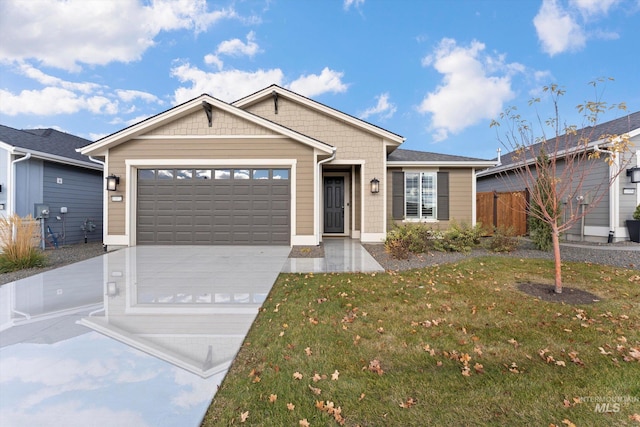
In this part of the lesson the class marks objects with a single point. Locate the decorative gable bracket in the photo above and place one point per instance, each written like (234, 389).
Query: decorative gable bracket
(208, 108)
(275, 101)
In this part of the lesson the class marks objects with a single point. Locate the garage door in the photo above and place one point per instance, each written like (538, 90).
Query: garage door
(222, 206)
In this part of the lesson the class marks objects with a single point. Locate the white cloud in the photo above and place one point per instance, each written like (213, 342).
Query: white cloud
(51, 101)
(64, 34)
(231, 85)
(356, 3)
(214, 60)
(557, 30)
(236, 47)
(313, 84)
(132, 95)
(467, 94)
(383, 108)
(225, 85)
(594, 7)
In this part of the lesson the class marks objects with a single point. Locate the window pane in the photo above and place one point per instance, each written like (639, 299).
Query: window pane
(412, 195)
(165, 173)
(281, 174)
(223, 174)
(184, 174)
(260, 174)
(241, 174)
(146, 173)
(428, 196)
(203, 174)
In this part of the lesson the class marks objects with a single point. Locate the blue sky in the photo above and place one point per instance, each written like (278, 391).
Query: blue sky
(434, 71)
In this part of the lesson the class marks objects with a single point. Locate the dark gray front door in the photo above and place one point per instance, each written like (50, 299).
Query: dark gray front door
(334, 204)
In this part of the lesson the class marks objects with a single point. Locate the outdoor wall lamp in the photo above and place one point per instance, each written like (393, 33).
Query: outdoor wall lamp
(112, 182)
(634, 173)
(375, 185)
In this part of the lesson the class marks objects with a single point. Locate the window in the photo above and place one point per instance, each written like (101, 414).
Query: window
(420, 195)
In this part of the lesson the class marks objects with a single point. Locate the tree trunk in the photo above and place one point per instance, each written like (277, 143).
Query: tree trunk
(555, 237)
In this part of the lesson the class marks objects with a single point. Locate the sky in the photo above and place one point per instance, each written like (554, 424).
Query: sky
(436, 72)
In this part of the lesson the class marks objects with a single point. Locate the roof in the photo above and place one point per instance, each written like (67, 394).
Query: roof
(268, 92)
(99, 147)
(48, 144)
(626, 124)
(401, 157)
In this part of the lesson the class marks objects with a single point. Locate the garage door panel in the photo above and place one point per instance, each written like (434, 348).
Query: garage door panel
(214, 211)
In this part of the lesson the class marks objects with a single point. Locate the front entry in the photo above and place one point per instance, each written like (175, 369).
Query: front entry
(334, 204)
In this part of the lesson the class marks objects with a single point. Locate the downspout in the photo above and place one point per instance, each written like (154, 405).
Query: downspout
(104, 204)
(613, 195)
(319, 189)
(12, 199)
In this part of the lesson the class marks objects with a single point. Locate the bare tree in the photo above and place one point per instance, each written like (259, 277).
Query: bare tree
(555, 170)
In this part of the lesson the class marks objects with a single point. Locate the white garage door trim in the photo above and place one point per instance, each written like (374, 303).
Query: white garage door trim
(132, 166)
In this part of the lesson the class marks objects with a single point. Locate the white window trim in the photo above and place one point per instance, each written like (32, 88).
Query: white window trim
(435, 190)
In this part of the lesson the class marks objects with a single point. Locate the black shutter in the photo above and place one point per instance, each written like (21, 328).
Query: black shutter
(443, 196)
(397, 195)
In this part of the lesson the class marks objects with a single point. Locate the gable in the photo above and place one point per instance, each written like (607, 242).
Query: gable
(191, 119)
(318, 125)
(197, 123)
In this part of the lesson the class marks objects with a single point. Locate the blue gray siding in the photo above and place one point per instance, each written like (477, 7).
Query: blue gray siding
(81, 193)
(28, 186)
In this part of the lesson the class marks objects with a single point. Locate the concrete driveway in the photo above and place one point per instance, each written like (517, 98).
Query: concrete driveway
(141, 336)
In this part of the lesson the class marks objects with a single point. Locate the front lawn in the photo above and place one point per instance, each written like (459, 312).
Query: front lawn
(451, 345)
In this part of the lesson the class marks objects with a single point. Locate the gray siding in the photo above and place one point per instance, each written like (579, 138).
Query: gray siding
(598, 175)
(81, 193)
(28, 186)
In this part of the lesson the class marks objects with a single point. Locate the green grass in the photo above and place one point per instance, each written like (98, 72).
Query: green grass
(427, 328)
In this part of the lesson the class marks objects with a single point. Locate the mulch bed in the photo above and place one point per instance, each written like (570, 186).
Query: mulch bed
(571, 296)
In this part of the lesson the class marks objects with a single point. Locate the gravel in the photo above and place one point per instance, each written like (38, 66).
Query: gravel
(57, 258)
(624, 255)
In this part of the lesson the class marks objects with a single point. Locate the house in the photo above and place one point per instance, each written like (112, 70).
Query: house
(606, 220)
(42, 175)
(274, 167)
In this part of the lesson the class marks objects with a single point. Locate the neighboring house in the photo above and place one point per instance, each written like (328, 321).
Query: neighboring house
(607, 220)
(41, 170)
(272, 168)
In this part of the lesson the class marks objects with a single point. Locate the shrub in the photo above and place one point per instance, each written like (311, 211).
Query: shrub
(18, 240)
(459, 238)
(410, 238)
(636, 213)
(504, 240)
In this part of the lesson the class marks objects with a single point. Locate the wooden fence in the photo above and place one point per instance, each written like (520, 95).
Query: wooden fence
(502, 210)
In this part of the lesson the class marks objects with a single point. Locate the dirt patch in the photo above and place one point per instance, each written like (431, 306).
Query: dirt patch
(571, 296)
(307, 251)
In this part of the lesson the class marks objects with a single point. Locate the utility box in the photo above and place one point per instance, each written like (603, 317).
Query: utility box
(41, 211)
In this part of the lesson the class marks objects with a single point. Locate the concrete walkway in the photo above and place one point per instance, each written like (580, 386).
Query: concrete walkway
(341, 255)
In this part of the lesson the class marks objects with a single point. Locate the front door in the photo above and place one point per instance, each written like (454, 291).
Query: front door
(334, 204)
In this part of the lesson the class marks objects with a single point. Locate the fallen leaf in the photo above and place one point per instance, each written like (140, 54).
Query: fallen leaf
(273, 398)
(374, 366)
(635, 417)
(315, 390)
(308, 351)
(479, 368)
(335, 375)
(291, 406)
(297, 375)
(316, 377)
(304, 423)
(568, 423)
(244, 416)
